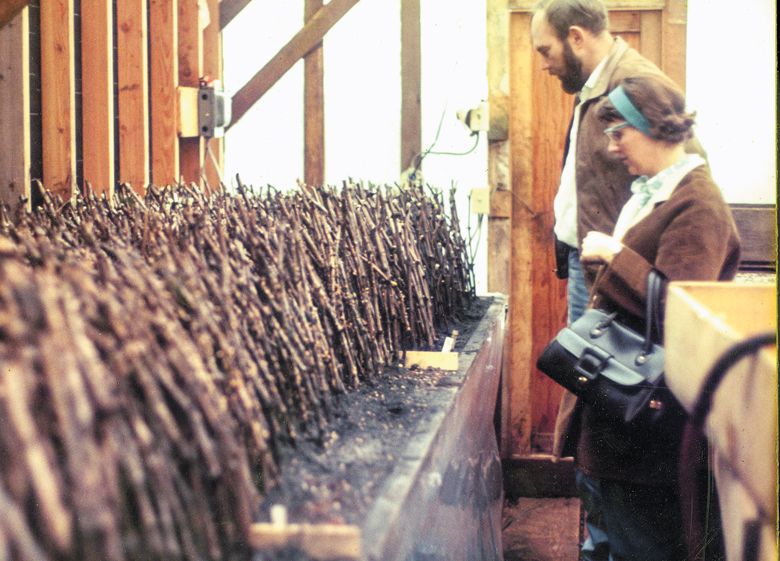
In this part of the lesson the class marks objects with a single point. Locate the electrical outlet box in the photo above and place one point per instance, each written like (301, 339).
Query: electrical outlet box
(480, 200)
(480, 117)
(476, 119)
(213, 112)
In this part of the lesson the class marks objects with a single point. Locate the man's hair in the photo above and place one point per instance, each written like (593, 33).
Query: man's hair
(562, 14)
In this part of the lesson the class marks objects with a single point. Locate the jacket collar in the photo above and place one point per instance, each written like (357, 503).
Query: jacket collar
(601, 87)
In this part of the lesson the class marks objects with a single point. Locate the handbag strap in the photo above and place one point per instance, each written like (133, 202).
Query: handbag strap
(652, 308)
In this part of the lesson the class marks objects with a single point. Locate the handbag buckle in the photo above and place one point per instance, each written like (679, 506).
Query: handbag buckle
(591, 363)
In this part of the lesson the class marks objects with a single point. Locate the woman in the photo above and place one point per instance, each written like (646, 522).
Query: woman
(677, 223)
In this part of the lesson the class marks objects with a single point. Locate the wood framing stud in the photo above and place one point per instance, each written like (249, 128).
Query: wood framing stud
(15, 110)
(190, 45)
(164, 79)
(313, 108)
(133, 79)
(58, 97)
(411, 82)
(97, 68)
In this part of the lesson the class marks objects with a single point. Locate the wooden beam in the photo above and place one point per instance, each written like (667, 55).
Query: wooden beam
(229, 9)
(15, 110)
(97, 71)
(323, 542)
(164, 79)
(190, 71)
(58, 98)
(132, 77)
(411, 112)
(9, 9)
(528, 5)
(304, 41)
(313, 108)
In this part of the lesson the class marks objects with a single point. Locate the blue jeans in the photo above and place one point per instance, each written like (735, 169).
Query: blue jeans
(640, 522)
(577, 290)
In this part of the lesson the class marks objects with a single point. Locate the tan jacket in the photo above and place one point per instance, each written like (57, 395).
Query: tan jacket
(691, 236)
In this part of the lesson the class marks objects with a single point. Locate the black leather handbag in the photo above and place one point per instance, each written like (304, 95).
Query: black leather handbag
(616, 370)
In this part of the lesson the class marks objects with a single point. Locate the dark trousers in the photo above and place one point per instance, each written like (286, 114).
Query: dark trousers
(637, 522)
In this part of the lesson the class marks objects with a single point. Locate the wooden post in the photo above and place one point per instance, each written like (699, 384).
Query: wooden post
(313, 108)
(164, 78)
(212, 67)
(518, 381)
(190, 71)
(674, 22)
(132, 76)
(411, 135)
(97, 71)
(58, 98)
(498, 148)
(15, 110)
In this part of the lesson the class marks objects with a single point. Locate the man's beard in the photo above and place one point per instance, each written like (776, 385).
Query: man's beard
(572, 79)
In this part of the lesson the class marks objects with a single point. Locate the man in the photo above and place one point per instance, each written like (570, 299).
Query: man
(575, 45)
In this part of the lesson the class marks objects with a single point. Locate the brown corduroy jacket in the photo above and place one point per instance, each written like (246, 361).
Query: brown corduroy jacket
(690, 236)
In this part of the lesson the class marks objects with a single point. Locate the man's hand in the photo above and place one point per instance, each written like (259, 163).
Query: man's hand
(599, 248)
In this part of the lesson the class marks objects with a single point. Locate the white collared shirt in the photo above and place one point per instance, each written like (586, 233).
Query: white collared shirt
(660, 188)
(565, 203)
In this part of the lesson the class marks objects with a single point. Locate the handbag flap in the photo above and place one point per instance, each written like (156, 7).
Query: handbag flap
(623, 345)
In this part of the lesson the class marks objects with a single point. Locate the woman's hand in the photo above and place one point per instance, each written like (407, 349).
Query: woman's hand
(599, 248)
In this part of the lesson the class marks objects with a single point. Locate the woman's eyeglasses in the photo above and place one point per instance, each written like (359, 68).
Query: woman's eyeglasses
(614, 132)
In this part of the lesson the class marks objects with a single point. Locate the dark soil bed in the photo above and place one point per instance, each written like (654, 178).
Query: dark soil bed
(337, 481)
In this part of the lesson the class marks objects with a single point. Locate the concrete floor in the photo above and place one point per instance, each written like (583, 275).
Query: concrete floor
(541, 529)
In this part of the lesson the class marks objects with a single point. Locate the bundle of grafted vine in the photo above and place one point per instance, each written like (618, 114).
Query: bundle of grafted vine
(156, 352)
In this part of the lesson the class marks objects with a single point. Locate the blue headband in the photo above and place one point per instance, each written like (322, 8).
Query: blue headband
(628, 110)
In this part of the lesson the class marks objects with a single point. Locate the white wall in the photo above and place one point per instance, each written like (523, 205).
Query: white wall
(363, 98)
(731, 83)
(265, 147)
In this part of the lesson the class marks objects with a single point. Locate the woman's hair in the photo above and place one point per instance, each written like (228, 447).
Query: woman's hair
(562, 14)
(660, 101)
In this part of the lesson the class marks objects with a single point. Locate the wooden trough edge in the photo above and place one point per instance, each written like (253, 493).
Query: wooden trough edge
(323, 542)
